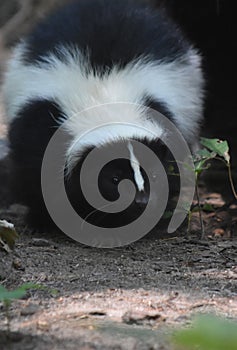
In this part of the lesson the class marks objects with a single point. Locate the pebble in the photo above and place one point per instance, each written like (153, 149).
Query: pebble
(30, 309)
(41, 242)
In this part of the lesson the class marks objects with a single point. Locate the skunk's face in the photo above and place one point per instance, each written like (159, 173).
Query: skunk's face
(116, 171)
(109, 178)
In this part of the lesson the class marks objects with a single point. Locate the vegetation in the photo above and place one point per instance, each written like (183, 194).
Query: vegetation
(7, 297)
(211, 149)
(208, 333)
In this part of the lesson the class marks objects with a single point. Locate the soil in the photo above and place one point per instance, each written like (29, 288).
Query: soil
(125, 298)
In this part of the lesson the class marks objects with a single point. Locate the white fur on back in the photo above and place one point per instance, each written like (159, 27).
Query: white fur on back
(73, 85)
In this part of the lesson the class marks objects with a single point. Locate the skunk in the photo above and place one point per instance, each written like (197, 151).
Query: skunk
(91, 53)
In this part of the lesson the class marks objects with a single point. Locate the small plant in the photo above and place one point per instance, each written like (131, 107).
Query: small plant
(221, 150)
(200, 165)
(212, 149)
(7, 296)
(208, 333)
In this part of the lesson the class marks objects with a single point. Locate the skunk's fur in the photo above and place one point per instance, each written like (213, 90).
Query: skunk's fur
(89, 53)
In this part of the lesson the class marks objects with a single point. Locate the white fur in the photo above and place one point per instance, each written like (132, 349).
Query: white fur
(89, 99)
(139, 180)
(109, 132)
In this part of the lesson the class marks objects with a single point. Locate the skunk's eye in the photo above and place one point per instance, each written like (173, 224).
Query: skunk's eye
(115, 179)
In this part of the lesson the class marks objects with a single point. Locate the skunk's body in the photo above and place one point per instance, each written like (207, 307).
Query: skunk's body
(96, 52)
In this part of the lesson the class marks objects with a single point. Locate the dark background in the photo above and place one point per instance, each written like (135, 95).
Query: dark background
(212, 27)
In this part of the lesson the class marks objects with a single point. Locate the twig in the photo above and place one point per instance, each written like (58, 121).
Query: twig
(231, 181)
(199, 209)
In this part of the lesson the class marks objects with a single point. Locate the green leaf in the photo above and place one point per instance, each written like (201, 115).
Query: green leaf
(17, 293)
(54, 292)
(208, 207)
(2, 289)
(29, 285)
(201, 165)
(219, 146)
(208, 333)
(195, 209)
(9, 295)
(167, 214)
(205, 154)
(186, 207)
(201, 158)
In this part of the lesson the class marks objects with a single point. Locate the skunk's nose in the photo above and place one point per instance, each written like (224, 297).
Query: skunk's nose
(141, 199)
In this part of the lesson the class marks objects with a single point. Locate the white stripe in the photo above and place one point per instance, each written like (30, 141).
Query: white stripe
(136, 168)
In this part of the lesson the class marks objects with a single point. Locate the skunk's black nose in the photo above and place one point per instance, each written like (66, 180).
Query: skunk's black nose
(141, 199)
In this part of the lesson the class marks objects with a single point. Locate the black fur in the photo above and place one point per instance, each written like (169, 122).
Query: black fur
(29, 135)
(114, 32)
(120, 169)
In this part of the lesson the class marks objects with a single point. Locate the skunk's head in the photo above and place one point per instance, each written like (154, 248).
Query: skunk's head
(112, 174)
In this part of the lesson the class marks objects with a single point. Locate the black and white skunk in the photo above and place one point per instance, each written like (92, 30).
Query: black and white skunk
(89, 53)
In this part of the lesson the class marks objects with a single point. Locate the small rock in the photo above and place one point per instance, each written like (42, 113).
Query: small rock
(41, 242)
(97, 313)
(43, 325)
(218, 232)
(141, 318)
(182, 318)
(30, 309)
(17, 264)
(215, 199)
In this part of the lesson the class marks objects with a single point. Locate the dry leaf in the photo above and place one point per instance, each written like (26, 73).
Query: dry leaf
(8, 235)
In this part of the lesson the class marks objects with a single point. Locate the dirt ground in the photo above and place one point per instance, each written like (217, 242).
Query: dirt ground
(125, 298)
